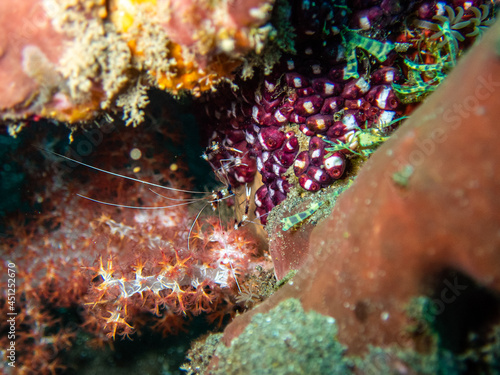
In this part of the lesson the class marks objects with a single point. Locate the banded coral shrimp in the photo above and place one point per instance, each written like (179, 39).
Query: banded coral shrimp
(211, 199)
(203, 198)
(163, 260)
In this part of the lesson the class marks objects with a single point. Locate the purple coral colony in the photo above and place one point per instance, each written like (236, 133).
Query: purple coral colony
(350, 70)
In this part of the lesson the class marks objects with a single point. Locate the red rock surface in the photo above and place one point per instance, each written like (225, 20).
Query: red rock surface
(289, 249)
(233, 17)
(385, 242)
(23, 23)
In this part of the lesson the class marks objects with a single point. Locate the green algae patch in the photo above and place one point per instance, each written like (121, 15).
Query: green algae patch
(286, 340)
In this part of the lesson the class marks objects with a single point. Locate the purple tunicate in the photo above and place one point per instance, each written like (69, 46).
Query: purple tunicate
(355, 89)
(296, 80)
(319, 175)
(331, 105)
(278, 170)
(385, 75)
(234, 136)
(269, 106)
(257, 113)
(292, 144)
(336, 74)
(306, 91)
(383, 97)
(313, 67)
(283, 186)
(366, 18)
(281, 117)
(260, 196)
(353, 118)
(356, 104)
(277, 196)
(336, 131)
(284, 158)
(271, 138)
(335, 164)
(316, 151)
(326, 87)
(268, 119)
(305, 129)
(301, 163)
(372, 113)
(319, 123)
(308, 183)
(309, 105)
(295, 118)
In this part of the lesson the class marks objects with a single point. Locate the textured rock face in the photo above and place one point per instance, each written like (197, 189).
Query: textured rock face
(23, 24)
(425, 203)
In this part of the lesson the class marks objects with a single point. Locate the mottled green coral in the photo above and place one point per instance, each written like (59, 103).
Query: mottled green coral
(201, 354)
(395, 361)
(286, 340)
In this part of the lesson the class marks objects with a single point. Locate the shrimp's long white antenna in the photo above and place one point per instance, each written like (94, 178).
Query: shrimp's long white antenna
(199, 213)
(192, 200)
(137, 207)
(192, 225)
(120, 175)
(254, 221)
